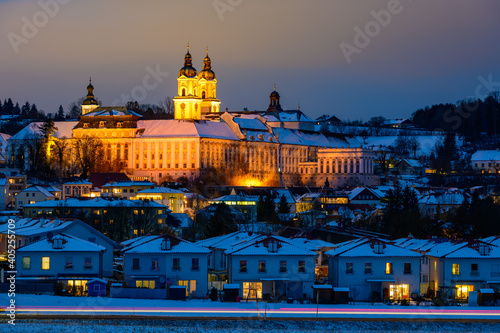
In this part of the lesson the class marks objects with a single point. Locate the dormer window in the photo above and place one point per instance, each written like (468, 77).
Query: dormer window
(119, 124)
(102, 123)
(378, 248)
(484, 249)
(166, 244)
(86, 125)
(272, 246)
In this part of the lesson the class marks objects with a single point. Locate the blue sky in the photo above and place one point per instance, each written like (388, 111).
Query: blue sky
(426, 52)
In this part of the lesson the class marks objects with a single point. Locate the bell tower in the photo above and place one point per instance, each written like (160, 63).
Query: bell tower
(187, 103)
(90, 103)
(208, 88)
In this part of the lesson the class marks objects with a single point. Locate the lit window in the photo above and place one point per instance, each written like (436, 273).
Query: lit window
(145, 284)
(455, 269)
(388, 268)
(45, 263)
(154, 264)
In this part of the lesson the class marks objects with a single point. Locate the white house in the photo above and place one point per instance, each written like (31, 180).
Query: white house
(271, 266)
(69, 260)
(36, 193)
(486, 161)
(161, 261)
(217, 259)
(374, 268)
(457, 268)
(29, 231)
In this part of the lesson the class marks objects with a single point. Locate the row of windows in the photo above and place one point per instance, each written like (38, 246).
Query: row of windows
(349, 268)
(176, 264)
(46, 263)
(282, 267)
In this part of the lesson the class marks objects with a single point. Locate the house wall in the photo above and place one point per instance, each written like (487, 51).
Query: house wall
(165, 269)
(57, 263)
(272, 271)
(358, 279)
(26, 197)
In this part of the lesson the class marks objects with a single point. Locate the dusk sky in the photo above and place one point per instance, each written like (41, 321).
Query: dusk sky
(428, 52)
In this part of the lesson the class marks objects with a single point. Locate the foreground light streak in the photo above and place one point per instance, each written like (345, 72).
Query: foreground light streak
(278, 312)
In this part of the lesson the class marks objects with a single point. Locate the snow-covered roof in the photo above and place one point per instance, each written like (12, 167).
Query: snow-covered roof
(486, 155)
(182, 128)
(64, 130)
(160, 190)
(356, 191)
(311, 244)
(94, 203)
(364, 248)
(227, 241)
(70, 244)
(111, 111)
(256, 247)
(153, 245)
(126, 183)
(411, 162)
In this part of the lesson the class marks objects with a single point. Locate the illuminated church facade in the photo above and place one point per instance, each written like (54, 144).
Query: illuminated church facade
(248, 148)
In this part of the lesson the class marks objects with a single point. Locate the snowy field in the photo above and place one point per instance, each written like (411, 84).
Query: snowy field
(235, 326)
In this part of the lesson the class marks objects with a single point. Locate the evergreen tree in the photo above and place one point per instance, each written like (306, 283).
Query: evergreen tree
(1, 108)
(401, 212)
(25, 110)
(221, 222)
(283, 207)
(17, 109)
(60, 114)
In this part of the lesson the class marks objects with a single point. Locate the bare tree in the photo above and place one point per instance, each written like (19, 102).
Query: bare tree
(167, 105)
(89, 154)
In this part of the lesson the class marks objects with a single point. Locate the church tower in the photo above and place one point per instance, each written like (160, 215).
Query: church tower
(90, 103)
(274, 101)
(187, 103)
(208, 88)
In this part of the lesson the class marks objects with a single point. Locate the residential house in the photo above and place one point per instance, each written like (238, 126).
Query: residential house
(172, 198)
(67, 260)
(217, 259)
(365, 196)
(374, 268)
(408, 166)
(486, 161)
(11, 183)
(125, 189)
(31, 230)
(76, 189)
(36, 193)
(457, 268)
(271, 266)
(161, 261)
(244, 204)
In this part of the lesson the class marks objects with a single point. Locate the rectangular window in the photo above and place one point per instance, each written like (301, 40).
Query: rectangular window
(302, 266)
(195, 264)
(69, 263)
(455, 270)
(368, 268)
(97, 287)
(88, 263)
(388, 268)
(243, 266)
(145, 284)
(262, 266)
(282, 266)
(26, 263)
(45, 263)
(349, 267)
(407, 268)
(252, 290)
(176, 264)
(135, 264)
(154, 264)
(495, 270)
(474, 270)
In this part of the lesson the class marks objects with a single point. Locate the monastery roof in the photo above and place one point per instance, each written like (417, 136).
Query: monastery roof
(111, 111)
(183, 128)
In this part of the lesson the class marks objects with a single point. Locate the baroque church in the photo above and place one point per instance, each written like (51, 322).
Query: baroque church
(275, 147)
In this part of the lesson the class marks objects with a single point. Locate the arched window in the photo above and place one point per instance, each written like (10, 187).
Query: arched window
(183, 91)
(203, 94)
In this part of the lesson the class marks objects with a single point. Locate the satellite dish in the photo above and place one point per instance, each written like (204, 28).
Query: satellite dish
(50, 235)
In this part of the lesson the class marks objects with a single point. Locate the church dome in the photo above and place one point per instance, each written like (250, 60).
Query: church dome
(90, 100)
(207, 73)
(188, 70)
